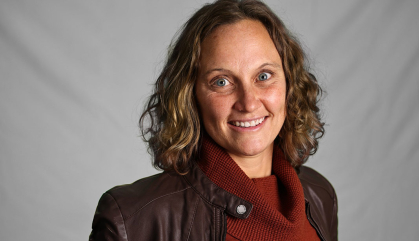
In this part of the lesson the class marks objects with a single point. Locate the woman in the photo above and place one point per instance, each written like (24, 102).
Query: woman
(232, 119)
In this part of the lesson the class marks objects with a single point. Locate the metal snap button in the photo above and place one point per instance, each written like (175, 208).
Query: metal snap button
(241, 209)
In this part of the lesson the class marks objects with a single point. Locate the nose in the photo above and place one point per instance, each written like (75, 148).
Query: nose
(247, 99)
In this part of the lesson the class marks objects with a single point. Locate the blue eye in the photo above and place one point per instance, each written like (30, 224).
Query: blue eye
(264, 76)
(221, 82)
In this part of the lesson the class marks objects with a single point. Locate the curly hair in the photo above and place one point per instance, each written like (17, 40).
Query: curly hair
(170, 122)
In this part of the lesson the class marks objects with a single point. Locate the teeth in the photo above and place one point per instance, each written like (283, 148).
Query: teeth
(249, 124)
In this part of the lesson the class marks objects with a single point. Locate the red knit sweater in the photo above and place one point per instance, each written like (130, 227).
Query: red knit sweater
(278, 201)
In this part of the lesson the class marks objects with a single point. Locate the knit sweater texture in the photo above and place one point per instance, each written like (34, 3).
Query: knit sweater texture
(278, 201)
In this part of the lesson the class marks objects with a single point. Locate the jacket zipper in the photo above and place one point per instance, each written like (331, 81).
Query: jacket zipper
(311, 221)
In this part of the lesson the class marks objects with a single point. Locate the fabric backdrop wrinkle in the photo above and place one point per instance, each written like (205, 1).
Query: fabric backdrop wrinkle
(75, 75)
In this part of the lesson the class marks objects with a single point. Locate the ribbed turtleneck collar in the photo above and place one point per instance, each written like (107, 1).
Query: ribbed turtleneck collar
(265, 221)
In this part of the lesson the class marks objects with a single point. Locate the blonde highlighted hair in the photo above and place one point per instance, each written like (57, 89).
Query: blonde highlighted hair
(170, 123)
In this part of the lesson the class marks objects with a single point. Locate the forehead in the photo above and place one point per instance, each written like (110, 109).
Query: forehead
(246, 41)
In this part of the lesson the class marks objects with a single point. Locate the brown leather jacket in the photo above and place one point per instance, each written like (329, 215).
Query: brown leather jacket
(168, 206)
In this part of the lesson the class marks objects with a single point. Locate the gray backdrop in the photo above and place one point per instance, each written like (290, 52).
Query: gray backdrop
(74, 76)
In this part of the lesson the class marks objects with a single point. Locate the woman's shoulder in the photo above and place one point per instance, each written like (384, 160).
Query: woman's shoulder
(311, 179)
(322, 201)
(134, 196)
(122, 207)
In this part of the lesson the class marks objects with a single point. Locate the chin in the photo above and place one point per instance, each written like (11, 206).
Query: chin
(249, 150)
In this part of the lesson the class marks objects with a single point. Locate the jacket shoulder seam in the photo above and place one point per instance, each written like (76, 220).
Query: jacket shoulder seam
(168, 194)
(193, 219)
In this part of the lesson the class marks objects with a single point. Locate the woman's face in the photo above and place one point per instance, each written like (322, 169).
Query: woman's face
(241, 88)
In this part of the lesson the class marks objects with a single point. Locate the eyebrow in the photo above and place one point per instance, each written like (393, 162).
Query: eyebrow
(275, 65)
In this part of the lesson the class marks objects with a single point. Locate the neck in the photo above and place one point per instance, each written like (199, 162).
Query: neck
(255, 166)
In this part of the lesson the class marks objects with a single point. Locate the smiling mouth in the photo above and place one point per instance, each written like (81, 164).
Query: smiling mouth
(247, 124)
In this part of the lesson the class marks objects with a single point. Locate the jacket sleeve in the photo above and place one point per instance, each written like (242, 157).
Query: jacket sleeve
(334, 225)
(108, 223)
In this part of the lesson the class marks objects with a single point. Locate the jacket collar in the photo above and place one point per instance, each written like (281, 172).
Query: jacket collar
(220, 197)
(216, 195)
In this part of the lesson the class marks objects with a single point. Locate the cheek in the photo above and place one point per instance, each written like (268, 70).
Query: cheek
(213, 109)
(276, 100)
